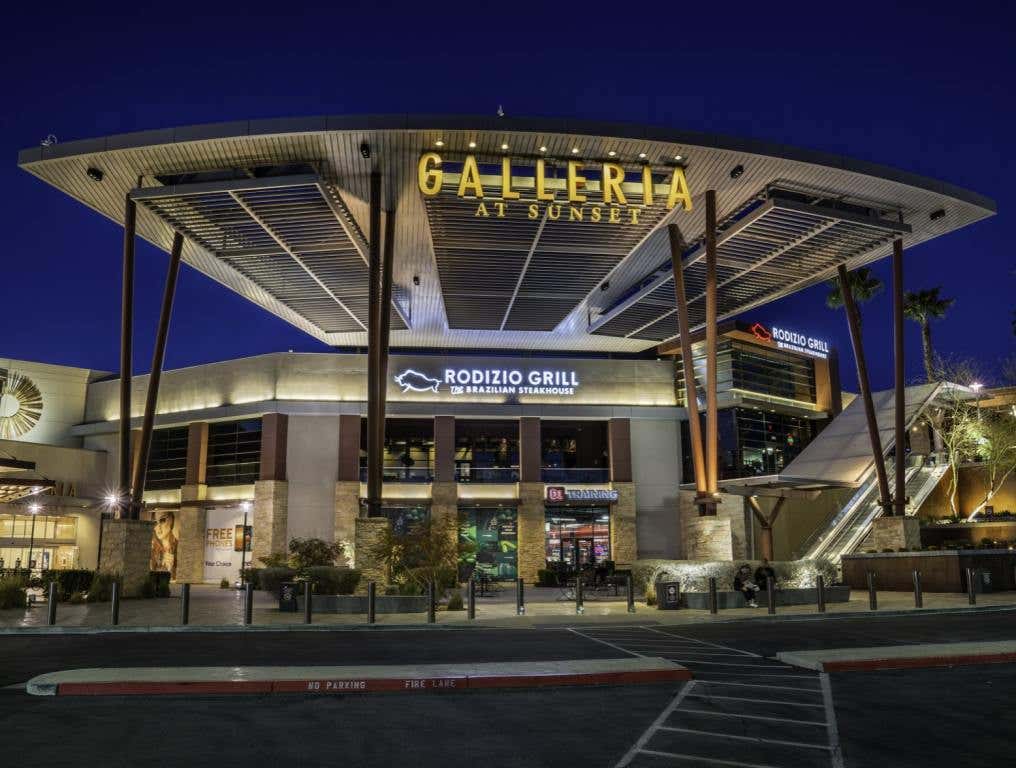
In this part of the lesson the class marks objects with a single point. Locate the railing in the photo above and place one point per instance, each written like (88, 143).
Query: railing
(400, 474)
(487, 474)
(575, 474)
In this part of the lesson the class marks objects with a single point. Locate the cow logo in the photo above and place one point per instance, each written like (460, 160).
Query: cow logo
(760, 332)
(20, 404)
(415, 381)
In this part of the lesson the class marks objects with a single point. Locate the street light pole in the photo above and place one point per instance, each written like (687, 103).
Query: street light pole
(34, 509)
(243, 544)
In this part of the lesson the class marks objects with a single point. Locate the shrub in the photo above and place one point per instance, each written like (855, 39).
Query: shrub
(455, 601)
(252, 576)
(888, 549)
(224, 584)
(932, 548)
(76, 598)
(69, 581)
(12, 592)
(331, 580)
(545, 578)
(410, 589)
(101, 588)
(271, 579)
(275, 560)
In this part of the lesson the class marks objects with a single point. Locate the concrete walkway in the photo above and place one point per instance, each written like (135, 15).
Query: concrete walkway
(901, 656)
(220, 608)
(416, 678)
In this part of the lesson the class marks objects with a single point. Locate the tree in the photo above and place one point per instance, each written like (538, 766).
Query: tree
(995, 451)
(864, 286)
(954, 418)
(428, 552)
(922, 307)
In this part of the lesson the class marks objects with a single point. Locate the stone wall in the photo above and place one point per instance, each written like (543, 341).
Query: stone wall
(271, 518)
(713, 541)
(126, 551)
(532, 553)
(894, 533)
(623, 525)
(347, 509)
(369, 531)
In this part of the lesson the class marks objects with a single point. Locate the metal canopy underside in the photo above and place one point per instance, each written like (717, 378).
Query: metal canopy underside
(778, 247)
(276, 211)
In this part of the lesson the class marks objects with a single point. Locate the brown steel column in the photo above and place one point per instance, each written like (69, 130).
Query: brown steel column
(384, 317)
(677, 246)
(766, 524)
(155, 377)
(375, 439)
(123, 490)
(900, 496)
(712, 418)
(850, 307)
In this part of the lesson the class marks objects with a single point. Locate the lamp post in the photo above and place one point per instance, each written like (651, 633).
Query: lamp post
(245, 506)
(34, 509)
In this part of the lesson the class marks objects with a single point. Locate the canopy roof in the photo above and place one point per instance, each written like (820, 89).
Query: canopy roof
(277, 211)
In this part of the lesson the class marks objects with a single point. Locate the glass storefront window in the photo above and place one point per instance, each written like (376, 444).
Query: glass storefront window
(404, 518)
(575, 452)
(408, 450)
(488, 540)
(486, 451)
(577, 536)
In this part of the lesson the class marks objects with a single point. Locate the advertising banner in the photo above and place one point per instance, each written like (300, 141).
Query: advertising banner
(224, 544)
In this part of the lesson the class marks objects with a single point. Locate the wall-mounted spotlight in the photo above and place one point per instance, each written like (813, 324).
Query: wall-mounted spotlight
(936, 215)
(94, 174)
(737, 171)
(365, 151)
(416, 279)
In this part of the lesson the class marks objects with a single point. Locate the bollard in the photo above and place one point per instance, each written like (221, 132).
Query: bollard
(971, 594)
(872, 597)
(630, 588)
(520, 598)
(52, 603)
(185, 604)
(579, 605)
(248, 604)
(918, 594)
(820, 590)
(371, 601)
(713, 607)
(115, 609)
(431, 603)
(771, 594)
(471, 599)
(308, 610)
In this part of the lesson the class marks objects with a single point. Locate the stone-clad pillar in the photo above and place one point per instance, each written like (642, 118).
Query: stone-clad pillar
(126, 552)
(532, 536)
(191, 517)
(271, 491)
(623, 521)
(347, 486)
(368, 531)
(444, 491)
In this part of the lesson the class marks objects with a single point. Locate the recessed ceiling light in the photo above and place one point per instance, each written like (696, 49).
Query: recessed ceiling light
(679, 158)
(472, 145)
(612, 153)
(543, 149)
(504, 146)
(439, 143)
(642, 155)
(575, 150)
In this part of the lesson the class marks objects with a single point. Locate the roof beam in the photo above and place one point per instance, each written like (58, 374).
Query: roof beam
(525, 265)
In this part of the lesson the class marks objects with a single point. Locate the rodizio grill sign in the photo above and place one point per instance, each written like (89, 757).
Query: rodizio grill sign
(616, 201)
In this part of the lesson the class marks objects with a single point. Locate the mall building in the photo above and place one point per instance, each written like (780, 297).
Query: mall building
(511, 304)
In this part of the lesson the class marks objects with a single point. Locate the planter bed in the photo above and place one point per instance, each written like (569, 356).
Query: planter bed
(838, 593)
(941, 571)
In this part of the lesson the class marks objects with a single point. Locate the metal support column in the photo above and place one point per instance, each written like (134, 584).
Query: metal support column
(708, 507)
(123, 490)
(854, 324)
(900, 494)
(374, 445)
(155, 377)
(677, 247)
(766, 524)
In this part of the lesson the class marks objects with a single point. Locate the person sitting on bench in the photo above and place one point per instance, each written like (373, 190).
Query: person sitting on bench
(744, 585)
(763, 573)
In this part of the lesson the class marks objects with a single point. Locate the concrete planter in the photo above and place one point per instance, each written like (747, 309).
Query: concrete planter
(839, 593)
(941, 571)
(358, 603)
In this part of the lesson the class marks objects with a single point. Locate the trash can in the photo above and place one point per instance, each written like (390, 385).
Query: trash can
(982, 581)
(287, 597)
(668, 595)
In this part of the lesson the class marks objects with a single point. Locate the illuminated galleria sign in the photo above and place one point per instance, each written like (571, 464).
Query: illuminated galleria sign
(491, 381)
(610, 204)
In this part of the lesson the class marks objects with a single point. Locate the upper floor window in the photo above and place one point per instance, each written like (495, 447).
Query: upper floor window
(167, 463)
(575, 451)
(234, 452)
(408, 450)
(486, 451)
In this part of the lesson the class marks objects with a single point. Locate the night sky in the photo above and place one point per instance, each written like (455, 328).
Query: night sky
(903, 84)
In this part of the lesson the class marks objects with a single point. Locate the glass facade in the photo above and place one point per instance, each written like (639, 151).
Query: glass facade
(167, 463)
(577, 536)
(488, 541)
(404, 518)
(754, 369)
(53, 544)
(486, 451)
(408, 450)
(753, 441)
(234, 452)
(575, 452)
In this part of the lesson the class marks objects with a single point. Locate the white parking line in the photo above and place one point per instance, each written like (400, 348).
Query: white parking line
(755, 701)
(834, 732)
(741, 716)
(703, 642)
(604, 642)
(754, 739)
(700, 759)
(760, 685)
(645, 737)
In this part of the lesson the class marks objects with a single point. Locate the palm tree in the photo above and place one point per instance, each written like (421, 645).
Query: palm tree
(864, 286)
(922, 307)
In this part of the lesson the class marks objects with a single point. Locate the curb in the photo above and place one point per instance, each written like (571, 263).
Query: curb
(920, 656)
(917, 662)
(343, 680)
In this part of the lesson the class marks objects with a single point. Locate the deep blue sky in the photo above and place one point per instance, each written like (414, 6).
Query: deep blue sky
(906, 84)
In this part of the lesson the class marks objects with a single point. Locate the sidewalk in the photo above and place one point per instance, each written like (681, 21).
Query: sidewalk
(214, 607)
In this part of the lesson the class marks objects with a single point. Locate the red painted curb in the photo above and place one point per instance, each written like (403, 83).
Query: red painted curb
(917, 662)
(372, 685)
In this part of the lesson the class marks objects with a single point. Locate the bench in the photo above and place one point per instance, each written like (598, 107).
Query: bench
(839, 593)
